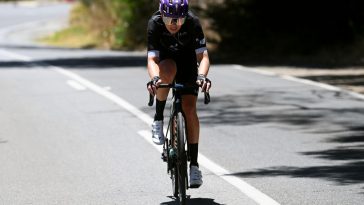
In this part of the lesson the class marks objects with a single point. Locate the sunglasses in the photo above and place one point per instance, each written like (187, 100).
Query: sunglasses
(177, 21)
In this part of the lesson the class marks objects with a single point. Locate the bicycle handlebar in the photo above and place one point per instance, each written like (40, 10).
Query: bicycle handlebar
(179, 87)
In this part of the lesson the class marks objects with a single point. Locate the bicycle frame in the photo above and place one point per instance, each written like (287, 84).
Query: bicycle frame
(175, 146)
(174, 149)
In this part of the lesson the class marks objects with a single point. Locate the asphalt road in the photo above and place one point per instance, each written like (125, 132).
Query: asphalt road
(72, 126)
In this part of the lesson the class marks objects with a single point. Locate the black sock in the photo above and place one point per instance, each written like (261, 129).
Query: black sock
(159, 110)
(193, 149)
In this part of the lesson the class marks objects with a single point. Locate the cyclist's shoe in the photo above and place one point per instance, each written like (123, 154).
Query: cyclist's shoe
(195, 177)
(157, 132)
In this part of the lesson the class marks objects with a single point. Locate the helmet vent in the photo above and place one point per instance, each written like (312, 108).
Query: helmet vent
(174, 8)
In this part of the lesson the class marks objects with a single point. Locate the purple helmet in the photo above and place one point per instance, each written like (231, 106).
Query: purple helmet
(173, 8)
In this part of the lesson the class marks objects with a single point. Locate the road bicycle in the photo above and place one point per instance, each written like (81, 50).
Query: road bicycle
(175, 149)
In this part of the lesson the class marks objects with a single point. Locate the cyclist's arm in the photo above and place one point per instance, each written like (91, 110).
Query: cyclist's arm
(200, 48)
(153, 71)
(204, 62)
(153, 68)
(153, 47)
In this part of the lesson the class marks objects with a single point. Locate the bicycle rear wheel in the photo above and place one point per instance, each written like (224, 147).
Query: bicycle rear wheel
(181, 158)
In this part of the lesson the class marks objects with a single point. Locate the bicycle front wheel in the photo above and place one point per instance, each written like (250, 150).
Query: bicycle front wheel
(182, 158)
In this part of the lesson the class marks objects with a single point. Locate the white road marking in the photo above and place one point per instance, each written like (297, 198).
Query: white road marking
(310, 82)
(76, 85)
(300, 80)
(263, 72)
(101, 91)
(107, 88)
(15, 27)
(147, 135)
(244, 187)
(14, 55)
(238, 183)
(357, 95)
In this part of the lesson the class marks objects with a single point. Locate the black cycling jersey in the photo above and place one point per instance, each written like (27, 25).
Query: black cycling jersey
(189, 39)
(181, 47)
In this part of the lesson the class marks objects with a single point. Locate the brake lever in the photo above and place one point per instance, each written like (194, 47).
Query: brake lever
(151, 100)
(207, 98)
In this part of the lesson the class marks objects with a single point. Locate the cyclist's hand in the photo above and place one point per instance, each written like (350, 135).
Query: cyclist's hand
(153, 84)
(204, 83)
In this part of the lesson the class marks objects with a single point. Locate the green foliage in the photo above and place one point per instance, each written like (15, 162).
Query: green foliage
(284, 30)
(116, 23)
(102, 19)
(141, 11)
(243, 31)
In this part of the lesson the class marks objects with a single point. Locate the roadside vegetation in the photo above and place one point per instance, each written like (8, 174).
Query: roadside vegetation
(317, 33)
(112, 24)
(301, 32)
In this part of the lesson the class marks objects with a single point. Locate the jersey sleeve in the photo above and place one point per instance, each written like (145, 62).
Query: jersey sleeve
(153, 36)
(200, 41)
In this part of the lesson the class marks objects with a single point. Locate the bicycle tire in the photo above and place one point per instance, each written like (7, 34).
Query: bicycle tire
(174, 177)
(182, 158)
(172, 160)
(172, 168)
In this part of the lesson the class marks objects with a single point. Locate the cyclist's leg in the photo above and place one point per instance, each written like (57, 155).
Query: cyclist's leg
(167, 73)
(193, 131)
(187, 75)
(192, 125)
(192, 121)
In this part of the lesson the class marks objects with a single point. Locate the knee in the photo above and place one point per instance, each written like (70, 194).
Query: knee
(189, 108)
(167, 70)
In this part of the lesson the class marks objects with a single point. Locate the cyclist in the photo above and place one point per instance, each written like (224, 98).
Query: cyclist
(177, 52)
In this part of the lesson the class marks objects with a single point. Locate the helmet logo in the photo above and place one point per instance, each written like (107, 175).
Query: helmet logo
(174, 8)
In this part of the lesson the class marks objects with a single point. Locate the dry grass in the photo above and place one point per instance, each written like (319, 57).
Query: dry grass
(73, 37)
(89, 28)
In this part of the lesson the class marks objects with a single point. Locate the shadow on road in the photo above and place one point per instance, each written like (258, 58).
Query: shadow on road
(37, 47)
(98, 62)
(338, 80)
(307, 110)
(310, 111)
(348, 81)
(79, 61)
(194, 201)
(348, 173)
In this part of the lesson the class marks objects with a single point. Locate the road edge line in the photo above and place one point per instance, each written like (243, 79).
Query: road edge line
(300, 80)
